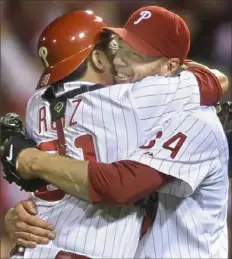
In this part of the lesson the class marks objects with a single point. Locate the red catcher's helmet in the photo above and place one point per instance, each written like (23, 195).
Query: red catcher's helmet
(66, 42)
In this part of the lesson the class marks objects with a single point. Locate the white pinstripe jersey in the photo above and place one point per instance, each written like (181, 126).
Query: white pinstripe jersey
(115, 121)
(191, 220)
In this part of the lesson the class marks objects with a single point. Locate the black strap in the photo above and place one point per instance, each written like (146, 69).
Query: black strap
(58, 104)
(61, 147)
(49, 94)
(58, 108)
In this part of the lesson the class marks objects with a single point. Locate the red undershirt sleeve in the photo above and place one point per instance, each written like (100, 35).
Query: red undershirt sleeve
(123, 182)
(209, 85)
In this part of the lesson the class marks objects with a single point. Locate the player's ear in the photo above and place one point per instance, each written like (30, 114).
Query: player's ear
(97, 60)
(170, 67)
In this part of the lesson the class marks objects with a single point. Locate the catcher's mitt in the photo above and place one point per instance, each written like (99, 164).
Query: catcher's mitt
(13, 141)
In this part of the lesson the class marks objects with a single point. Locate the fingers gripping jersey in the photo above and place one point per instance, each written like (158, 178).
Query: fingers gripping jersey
(105, 125)
(191, 220)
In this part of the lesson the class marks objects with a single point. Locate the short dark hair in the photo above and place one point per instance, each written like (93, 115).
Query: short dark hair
(103, 44)
(76, 74)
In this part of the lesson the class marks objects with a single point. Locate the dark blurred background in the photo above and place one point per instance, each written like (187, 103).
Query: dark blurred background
(210, 23)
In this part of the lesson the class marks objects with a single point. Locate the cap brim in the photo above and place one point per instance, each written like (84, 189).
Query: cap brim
(62, 69)
(135, 41)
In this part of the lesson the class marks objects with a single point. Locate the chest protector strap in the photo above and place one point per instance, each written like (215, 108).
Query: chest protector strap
(58, 108)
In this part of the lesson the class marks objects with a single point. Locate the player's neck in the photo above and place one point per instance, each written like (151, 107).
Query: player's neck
(92, 77)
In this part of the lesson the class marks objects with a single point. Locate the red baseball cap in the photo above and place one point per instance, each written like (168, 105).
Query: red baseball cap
(155, 31)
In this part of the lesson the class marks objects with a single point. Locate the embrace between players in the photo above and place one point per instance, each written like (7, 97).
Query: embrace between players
(150, 145)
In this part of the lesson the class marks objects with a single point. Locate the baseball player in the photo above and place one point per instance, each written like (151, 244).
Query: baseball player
(89, 146)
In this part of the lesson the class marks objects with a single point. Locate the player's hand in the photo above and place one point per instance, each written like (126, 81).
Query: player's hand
(25, 228)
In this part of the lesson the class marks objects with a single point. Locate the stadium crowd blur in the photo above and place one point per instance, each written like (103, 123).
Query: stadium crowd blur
(22, 22)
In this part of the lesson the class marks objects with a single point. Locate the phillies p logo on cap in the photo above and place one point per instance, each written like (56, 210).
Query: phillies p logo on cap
(144, 15)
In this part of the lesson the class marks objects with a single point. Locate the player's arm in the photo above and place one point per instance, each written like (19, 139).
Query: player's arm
(212, 82)
(119, 183)
(192, 143)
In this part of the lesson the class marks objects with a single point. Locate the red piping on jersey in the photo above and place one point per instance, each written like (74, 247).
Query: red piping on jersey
(124, 182)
